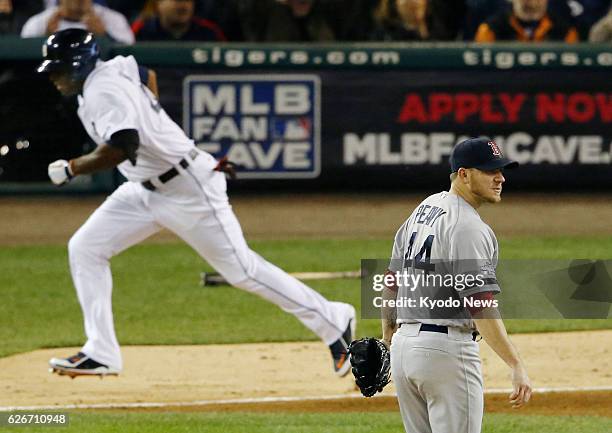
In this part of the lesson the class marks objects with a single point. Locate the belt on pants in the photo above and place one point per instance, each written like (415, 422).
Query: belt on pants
(173, 172)
(442, 329)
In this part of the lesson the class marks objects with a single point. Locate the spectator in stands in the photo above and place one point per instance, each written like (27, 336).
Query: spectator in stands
(358, 19)
(130, 9)
(418, 20)
(293, 21)
(175, 21)
(602, 30)
(226, 13)
(13, 14)
(477, 11)
(582, 14)
(401, 20)
(527, 21)
(83, 14)
(445, 19)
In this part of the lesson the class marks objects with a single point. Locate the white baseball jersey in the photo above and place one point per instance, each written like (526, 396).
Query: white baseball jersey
(114, 99)
(444, 236)
(193, 204)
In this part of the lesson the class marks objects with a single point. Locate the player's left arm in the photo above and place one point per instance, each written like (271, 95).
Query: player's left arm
(152, 82)
(148, 77)
(491, 327)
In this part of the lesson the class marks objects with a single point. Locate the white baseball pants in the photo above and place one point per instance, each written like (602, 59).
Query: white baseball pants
(438, 378)
(194, 205)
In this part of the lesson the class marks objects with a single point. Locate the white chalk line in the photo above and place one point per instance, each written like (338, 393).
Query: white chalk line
(260, 400)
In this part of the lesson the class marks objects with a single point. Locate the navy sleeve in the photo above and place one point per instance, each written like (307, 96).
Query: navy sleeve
(128, 141)
(144, 74)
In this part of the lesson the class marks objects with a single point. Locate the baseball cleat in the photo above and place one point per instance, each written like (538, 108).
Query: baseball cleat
(339, 348)
(80, 365)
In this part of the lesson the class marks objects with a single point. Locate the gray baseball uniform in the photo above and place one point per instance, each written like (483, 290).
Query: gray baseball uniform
(435, 361)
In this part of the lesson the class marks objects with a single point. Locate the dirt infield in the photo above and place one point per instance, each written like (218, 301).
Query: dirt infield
(592, 403)
(52, 220)
(186, 374)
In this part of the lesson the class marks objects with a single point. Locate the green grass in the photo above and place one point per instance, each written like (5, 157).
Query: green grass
(237, 422)
(158, 300)
(556, 248)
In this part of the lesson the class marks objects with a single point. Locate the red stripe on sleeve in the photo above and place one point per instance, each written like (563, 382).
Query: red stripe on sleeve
(482, 296)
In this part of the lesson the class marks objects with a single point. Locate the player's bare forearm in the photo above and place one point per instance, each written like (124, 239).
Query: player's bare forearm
(493, 331)
(152, 82)
(388, 315)
(102, 158)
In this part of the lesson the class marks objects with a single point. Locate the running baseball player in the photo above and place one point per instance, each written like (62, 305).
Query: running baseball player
(171, 184)
(435, 361)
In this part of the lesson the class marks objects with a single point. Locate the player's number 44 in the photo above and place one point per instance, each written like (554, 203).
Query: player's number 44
(423, 258)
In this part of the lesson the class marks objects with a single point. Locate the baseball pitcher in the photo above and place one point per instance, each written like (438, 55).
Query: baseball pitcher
(435, 361)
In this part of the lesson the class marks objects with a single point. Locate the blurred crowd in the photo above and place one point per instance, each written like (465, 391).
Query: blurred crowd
(129, 21)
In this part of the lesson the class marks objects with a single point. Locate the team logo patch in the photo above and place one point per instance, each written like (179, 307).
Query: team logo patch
(494, 148)
(269, 125)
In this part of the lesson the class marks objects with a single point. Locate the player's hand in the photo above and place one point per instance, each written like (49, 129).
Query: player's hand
(60, 172)
(94, 23)
(54, 21)
(521, 387)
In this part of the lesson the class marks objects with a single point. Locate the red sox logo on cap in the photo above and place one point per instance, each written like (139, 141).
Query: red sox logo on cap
(494, 148)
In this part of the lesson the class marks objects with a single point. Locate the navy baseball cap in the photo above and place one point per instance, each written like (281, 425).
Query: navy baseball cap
(481, 153)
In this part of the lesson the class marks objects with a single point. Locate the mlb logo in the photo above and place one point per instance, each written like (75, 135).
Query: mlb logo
(494, 148)
(299, 128)
(269, 125)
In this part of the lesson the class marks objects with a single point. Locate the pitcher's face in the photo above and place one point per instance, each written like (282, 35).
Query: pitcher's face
(486, 186)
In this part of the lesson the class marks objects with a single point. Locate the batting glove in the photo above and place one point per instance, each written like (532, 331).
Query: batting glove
(60, 172)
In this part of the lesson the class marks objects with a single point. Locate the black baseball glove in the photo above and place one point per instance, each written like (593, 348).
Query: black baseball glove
(371, 362)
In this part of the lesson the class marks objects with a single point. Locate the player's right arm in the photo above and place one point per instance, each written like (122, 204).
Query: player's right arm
(114, 122)
(493, 331)
(389, 314)
(102, 158)
(122, 146)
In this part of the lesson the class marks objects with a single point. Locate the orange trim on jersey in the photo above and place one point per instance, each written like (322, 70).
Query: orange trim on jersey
(539, 33)
(520, 31)
(572, 36)
(484, 34)
(542, 29)
(341, 361)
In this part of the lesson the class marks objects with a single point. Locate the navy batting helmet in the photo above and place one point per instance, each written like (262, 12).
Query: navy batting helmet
(73, 51)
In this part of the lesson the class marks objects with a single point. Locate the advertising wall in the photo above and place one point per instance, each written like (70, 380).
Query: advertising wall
(329, 117)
